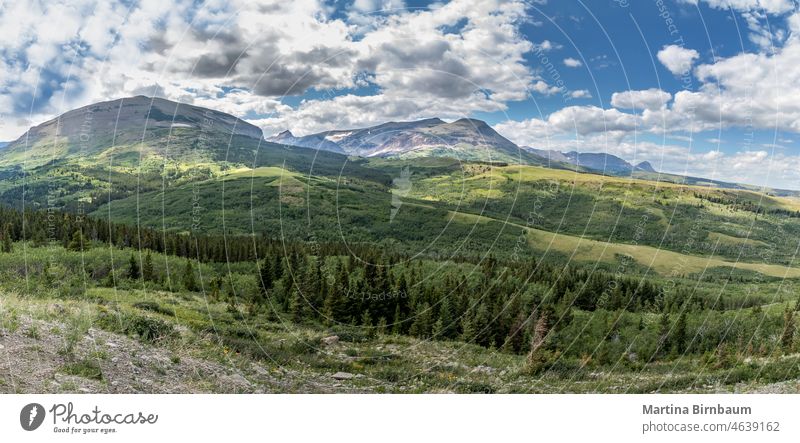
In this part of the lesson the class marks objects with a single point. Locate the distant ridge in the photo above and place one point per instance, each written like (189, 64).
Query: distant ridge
(465, 139)
(646, 167)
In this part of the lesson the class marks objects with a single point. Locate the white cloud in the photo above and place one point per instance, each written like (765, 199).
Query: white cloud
(651, 99)
(544, 88)
(677, 59)
(580, 93)
(572, 62)
(770, 6)
(546, 46)
(457, 58)
(377, 5)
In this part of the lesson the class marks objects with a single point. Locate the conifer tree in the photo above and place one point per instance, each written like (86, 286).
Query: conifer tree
(663, 333)
(189, 281)
(381, 328)
(147, 269)
(787, 337)
(366, 323)
(265, 277)
(539, 356)
(480, 324)
(422, 325)
(443, 328)
(77, 242)
(297, 306)
(133, 268)
(8, 246)
(397, 321)
(679, 337)
(468, 331)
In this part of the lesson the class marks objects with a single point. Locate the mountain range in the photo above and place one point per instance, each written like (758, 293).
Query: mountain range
(601, 162)
(465, 139)
(154, 133)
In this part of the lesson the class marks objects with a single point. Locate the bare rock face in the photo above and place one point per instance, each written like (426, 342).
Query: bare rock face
(465, 139)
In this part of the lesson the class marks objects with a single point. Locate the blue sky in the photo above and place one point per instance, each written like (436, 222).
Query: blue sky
(701, 87)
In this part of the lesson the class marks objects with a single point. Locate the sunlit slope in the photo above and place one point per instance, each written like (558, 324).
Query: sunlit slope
(735, 224)
(643, 226)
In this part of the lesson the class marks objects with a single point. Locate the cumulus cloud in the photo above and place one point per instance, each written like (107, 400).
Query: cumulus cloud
(677, 59)
(572, 62)
(580, 93)
(463, 56)
(769, 6)
(651, 99)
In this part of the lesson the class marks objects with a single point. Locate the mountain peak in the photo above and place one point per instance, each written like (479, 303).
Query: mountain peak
(600, 161)
(471, 121)
(128, 121)
(645, 166)
(284, 134)
(435, 120)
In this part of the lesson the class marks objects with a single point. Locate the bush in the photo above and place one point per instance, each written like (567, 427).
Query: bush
(146, 328)
(154, 307)
(471, 387)
(84, 368)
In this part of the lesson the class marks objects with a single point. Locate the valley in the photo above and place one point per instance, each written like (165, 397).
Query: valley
(408, 257)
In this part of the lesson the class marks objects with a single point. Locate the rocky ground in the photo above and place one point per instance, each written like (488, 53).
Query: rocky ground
(33, 360)
(49, 346)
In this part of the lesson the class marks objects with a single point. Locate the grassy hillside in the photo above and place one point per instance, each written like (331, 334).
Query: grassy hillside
(79, 333)
(456, 209)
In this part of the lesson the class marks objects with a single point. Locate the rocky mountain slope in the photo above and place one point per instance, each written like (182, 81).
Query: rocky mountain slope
(465, 139)
(95, 129)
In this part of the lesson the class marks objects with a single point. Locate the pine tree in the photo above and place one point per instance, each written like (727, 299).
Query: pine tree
(540, 357)
(216, 287)
(381, 328)
(787, 337)
(541, 330)
(467, 327)
(189, 281)
(8, 247)
(277, 267)
(265, 277)
(663, 333)
(77, 243)
(147, 269)
(366, 323)
(397, 321)
(297, 306)
(480, 323)
(133, 268)
(422, 325)
(515, 341)
(443, 328)
(39, 238)
(679, 337)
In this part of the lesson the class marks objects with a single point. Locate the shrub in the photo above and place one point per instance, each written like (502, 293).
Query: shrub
(154, 307)
(144, 327)
(83, 368)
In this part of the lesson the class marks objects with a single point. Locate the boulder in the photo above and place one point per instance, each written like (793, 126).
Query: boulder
(343, 376)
